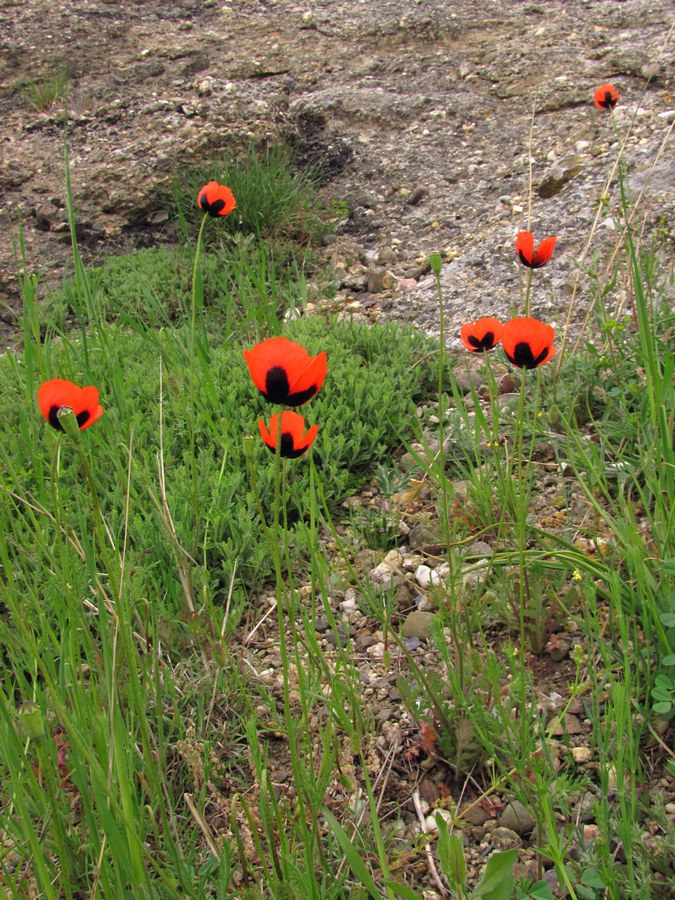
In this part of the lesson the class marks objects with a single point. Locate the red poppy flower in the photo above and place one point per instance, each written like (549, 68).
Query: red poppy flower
(53, 395)
(216, 199)
(284, 372)
(294, 440)
(606, 96)
(528, 343)
(483, 334)
(527, 254)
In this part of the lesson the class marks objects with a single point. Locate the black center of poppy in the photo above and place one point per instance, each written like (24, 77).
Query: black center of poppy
(277, 389)
(534, 263)
(276, 385)
(216, 207)
(54, 418)
(487, 342)
(287, 448)
(55, 422)
(213, 209)
(524, 358)
(300, 397)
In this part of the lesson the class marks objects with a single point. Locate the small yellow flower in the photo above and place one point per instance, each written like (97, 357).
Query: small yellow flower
(576, 575)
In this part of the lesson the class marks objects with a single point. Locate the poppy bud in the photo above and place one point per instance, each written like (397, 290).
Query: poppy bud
(31, 721)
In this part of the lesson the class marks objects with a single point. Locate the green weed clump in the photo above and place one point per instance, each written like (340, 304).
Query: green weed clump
(242, 284)
(42, 93)
(274, 198)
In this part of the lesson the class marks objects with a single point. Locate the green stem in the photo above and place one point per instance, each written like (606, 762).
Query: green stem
(440, 458)
(281, 594)
(195, 270)
(528, 287)
(197, 298)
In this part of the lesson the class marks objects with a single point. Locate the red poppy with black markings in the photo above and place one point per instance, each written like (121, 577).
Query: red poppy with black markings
(534, 259)
(294, 440)
(216, 199)
(606, 96)
(528, 343)
(284, 372)
(482, 335)
(53, 395)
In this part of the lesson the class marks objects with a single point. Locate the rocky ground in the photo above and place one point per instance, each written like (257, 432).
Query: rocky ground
(420, 115)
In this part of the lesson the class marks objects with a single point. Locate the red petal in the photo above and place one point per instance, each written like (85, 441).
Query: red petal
(544, 251)
(312, 375)
(265, 435)
(302, 370)
(525, 330)
(525, 247)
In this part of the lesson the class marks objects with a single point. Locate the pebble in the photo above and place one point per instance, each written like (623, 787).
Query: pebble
(386, 256)
(333, 638)
(407, 284)
(591, 833)
(417, 625)
(474, 814)
(571, 725)
(385, 575)
(429, 793)
(505, 839)
(426, 535)
(431, 823)
(556, 178)
(477, 575)
(376, 651)
(467, 380)
(425, 576)
(375, 279)
(581, 754)
(417, 195)
(479, 548)
(518, 818)
(560, 648)
(348, 606)
(507, 384)
(551, 880)
(363, 642)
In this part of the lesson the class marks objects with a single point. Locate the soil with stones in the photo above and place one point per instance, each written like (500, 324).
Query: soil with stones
(436, 126)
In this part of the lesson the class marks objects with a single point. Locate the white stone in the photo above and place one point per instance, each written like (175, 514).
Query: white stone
(581, 754)
(425, 576)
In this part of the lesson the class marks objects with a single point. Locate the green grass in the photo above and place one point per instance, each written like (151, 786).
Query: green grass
(274, 198)
(172, 723)
(42, 93)
(243, 284)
